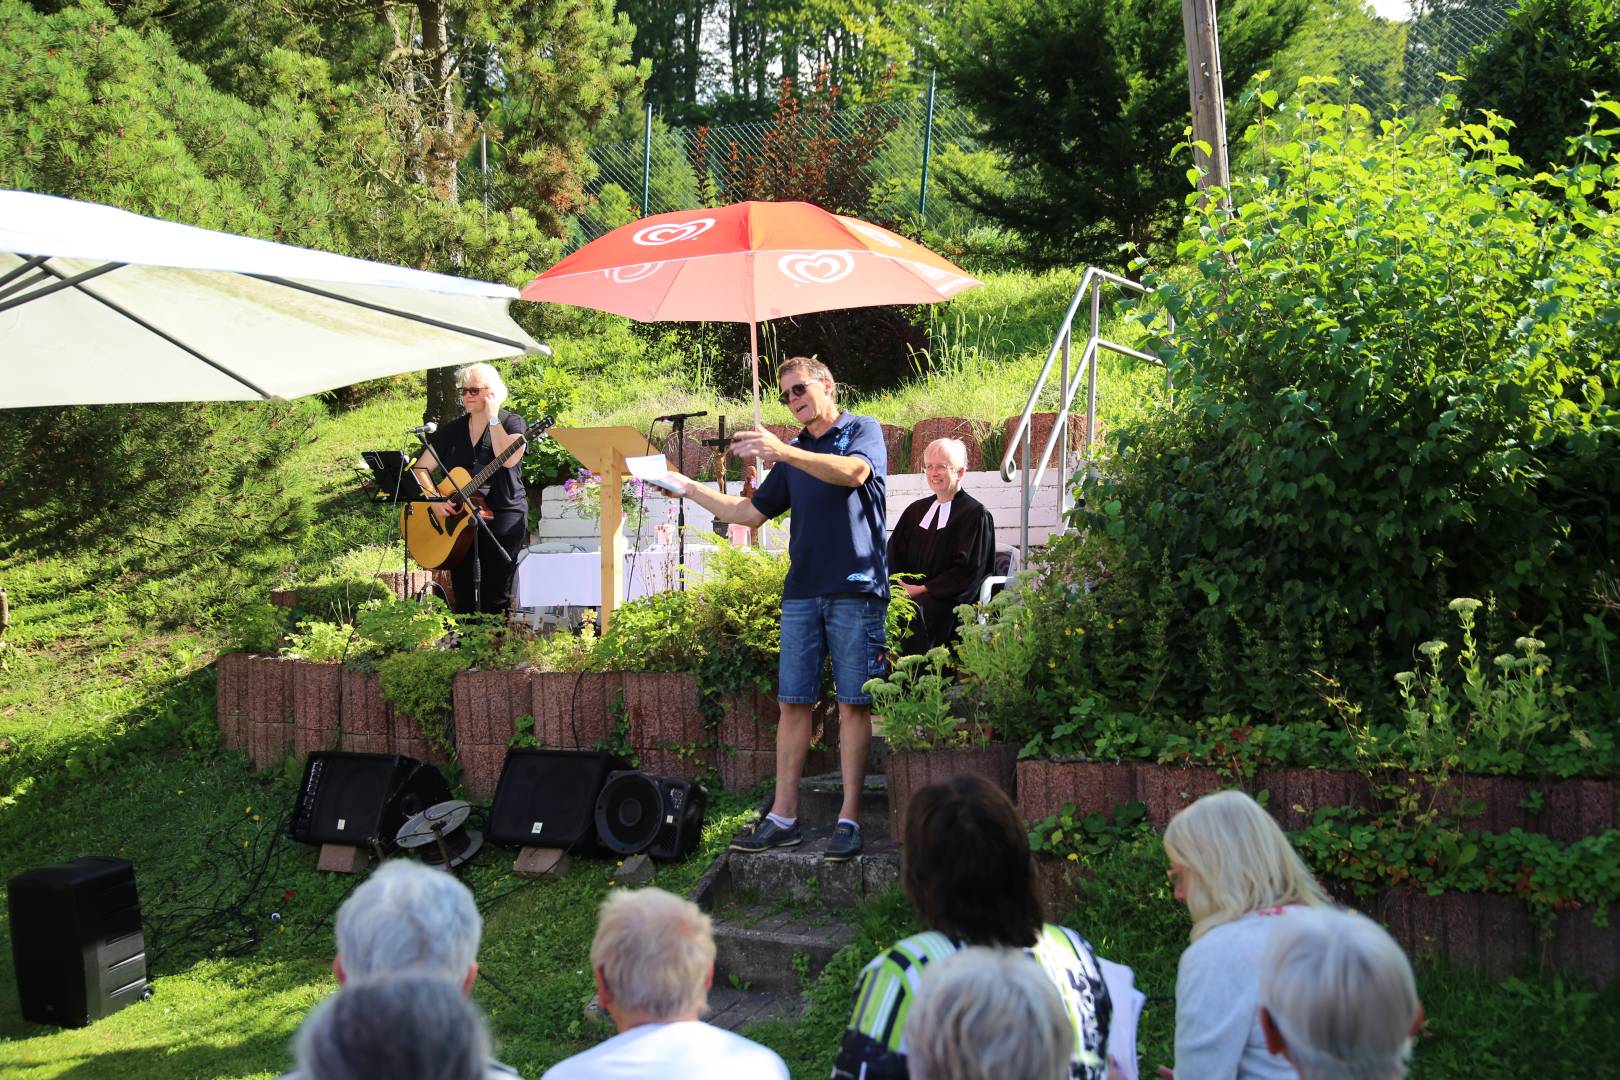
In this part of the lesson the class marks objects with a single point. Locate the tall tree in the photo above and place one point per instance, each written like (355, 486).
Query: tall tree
(1088, 99)
(669, 37)
(534, 75)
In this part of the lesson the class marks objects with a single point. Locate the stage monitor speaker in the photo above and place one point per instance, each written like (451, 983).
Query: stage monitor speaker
(349, 798)
(547, 798)
(76, 939)
(656, 814)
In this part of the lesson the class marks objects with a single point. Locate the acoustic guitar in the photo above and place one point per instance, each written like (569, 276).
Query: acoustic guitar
(441, 543)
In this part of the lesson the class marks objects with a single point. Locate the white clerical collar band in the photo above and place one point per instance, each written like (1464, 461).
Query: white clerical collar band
(937, 516)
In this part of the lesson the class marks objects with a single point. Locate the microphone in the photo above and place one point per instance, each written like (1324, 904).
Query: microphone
(676, 418)
(426, 429)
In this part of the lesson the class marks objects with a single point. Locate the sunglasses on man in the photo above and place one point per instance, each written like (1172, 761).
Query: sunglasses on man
(795, 391)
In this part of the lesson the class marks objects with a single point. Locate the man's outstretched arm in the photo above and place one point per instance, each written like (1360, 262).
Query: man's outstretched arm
(729, 508)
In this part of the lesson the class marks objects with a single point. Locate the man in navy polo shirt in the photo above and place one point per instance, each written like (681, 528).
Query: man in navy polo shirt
(832, 477)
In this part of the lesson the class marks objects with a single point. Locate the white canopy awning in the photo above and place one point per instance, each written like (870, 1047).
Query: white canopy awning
(98, 305)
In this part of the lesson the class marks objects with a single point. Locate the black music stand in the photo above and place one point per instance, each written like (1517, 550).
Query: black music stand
(389, 474)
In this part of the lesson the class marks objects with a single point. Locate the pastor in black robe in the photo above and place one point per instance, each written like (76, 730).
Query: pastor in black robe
(953, 562)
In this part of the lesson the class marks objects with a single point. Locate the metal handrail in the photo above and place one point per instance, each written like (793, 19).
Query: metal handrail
(1090, 283)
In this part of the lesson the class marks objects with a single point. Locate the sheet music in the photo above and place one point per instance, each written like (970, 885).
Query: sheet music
(1128, 1002)
(654, 469)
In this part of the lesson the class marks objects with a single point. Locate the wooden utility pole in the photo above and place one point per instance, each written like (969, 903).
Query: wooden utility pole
(1205, 88)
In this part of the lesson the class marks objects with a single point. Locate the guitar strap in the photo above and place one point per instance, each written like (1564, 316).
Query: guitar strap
(486, 453)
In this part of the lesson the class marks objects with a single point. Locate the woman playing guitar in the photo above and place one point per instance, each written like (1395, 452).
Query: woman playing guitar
(472, 442)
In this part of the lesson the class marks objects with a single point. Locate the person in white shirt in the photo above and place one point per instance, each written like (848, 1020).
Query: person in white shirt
(653, 956)
(1337, 998)
(1242, 882)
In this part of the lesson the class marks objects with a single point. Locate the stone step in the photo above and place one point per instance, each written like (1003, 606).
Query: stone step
(800, 874)
(821, 797)
(735, 1008)
(762, 948)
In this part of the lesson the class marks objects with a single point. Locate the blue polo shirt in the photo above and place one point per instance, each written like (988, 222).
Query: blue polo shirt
(836, 536)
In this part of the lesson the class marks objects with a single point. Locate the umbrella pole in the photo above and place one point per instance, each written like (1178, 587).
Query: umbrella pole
(753, 352)
(759, 462)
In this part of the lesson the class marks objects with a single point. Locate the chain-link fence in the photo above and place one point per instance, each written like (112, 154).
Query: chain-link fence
(677, 168)
(1382, 64)
(1440, 39)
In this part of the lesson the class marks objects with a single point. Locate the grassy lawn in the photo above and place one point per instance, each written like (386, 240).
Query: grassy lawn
(239, 924)
(107, 747)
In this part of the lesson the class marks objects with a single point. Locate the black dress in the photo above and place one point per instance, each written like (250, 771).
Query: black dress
(954, 562)
(453, 446)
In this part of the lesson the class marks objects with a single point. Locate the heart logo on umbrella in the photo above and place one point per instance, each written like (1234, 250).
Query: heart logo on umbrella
(672, 232)
(625, 275)
(816, 267)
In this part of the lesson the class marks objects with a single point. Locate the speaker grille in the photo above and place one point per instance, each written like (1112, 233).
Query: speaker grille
(629, 812)
(547, 798)
(349, 798)
(343, 796)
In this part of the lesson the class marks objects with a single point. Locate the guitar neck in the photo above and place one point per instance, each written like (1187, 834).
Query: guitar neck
(518, 443)
(500, 460)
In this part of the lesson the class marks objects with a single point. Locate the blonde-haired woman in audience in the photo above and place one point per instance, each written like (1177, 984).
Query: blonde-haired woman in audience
(1241, 880)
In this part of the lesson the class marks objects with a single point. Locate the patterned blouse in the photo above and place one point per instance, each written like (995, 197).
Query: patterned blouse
(874, 1046)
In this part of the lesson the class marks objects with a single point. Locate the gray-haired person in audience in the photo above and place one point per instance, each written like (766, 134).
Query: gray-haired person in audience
(989, 1014)
(654, 961)
(1337, 998)
(415, 1026)
(407, 917)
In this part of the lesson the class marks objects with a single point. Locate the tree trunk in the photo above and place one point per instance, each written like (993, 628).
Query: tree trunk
(439, 101)
(441, 152)
(443, 402)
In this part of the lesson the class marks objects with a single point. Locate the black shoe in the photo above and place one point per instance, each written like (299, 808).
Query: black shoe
(845, 843)
(766, 835)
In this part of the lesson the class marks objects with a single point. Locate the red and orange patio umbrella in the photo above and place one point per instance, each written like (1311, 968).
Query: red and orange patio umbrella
(747, 262)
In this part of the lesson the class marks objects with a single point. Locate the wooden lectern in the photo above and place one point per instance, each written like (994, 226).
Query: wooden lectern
(603, 450)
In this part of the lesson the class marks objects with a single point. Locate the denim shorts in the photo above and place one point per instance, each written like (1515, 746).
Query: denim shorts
(847, 626)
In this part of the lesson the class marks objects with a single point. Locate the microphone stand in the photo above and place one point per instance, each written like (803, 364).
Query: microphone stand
(719, 443)
(679, 424)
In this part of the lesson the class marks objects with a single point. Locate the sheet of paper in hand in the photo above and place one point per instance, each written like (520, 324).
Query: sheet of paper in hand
(654, 469)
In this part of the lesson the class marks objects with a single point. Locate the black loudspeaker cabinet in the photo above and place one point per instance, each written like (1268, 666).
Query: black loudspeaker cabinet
(76, 939)
(348, 798)
(657, 814)
(547, 798)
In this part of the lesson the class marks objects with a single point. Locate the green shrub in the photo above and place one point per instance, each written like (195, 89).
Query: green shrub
(325, 642)
(1395, 384)
(1469, 717)
(654, 633)
(739, 618)
(914, 702)
(996, 656)
(258, 626)
(418, 684)
(1542, 69)
(396, 625)
(338, 599)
